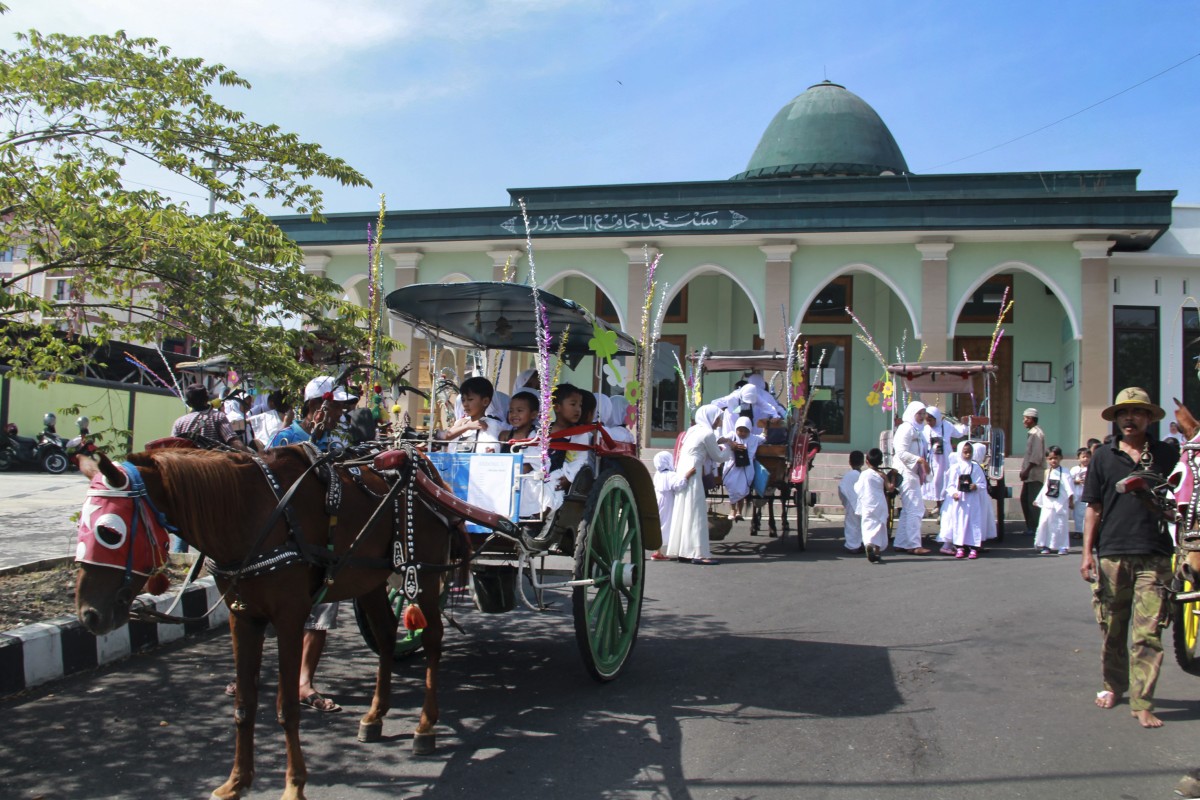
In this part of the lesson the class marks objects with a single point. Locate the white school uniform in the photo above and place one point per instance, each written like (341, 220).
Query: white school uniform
(965, 515)
(689, 520)
(871, 504)
(852, 527)
(1078, 477)
(739, 480)
(1053, 529)
(666, 483)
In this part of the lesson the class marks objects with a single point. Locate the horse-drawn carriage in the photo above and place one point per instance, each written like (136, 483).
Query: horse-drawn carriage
(609, 515)
(291, 526)
(790, 447)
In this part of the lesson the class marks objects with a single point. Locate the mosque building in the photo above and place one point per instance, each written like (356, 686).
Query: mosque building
(827, 216)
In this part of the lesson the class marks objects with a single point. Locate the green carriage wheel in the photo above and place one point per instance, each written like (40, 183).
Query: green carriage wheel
(609, 552)
(407, 642)
(1185, 625)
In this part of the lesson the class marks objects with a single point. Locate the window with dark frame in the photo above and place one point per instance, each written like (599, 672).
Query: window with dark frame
(1190, 348)
(1136, 350)
(605, 309)
(830, 304)
(984, 304)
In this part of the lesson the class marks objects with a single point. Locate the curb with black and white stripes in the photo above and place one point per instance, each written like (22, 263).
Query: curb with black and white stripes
(45, 651)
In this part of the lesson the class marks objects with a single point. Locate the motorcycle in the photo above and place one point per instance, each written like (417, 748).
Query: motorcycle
(47, 451)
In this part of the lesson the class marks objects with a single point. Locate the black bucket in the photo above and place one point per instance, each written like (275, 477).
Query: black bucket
(495, 587)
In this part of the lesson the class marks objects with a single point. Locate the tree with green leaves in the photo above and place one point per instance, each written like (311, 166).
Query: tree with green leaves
(76, 115)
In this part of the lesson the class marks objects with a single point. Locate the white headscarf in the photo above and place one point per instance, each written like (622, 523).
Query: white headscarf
(523, 379)
(978, 452)
(757, 380)
(910, 413)
(744, 422)
(748, 394)
(620, 408)
(933, 411)
(604, 409)
(664, 461)
(706, 416)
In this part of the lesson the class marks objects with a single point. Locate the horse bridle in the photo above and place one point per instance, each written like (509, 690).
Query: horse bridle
(135, 490)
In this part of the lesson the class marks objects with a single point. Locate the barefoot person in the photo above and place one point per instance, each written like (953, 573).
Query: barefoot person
(1132, 558)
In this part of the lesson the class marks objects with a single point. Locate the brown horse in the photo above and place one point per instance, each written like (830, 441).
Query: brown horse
(221, 503)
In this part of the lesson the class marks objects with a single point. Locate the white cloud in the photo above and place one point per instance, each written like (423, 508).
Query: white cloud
(288, 36)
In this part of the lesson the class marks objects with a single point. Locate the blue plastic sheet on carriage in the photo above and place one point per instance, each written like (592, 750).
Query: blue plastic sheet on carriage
(760, 479)
(487, 480)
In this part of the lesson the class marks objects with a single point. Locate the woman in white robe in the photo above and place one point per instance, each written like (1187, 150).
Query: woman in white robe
(738, 480)
(689, 521)
(965, 507)
(909, 444)
(615, 424)
(938, 433)
(745, 401)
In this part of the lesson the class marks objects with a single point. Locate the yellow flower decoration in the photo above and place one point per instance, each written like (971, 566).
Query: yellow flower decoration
(873, 399)
(887, 389)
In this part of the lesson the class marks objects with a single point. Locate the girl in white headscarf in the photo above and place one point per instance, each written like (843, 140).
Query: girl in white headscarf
(979, 453)
(909, 444)
(739, 473)
(666, 483)
(616, 422)
(965, 502)
(689, 522)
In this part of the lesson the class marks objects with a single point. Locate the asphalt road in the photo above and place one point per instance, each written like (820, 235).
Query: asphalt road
(772, 675)
(35, 515)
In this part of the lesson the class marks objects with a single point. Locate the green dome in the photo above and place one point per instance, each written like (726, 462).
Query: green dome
(825, 131)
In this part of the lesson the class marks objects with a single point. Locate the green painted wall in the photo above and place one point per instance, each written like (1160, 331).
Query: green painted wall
(153, 415)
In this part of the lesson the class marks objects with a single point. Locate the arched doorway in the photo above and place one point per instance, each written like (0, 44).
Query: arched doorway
(1036, 355)
(845, 379)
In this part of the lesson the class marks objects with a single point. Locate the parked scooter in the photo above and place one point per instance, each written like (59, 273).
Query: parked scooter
(46, 452)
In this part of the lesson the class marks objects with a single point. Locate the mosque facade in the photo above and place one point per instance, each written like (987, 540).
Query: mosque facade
(827, 216)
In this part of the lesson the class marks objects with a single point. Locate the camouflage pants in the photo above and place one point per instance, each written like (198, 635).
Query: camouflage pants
(1132, 586)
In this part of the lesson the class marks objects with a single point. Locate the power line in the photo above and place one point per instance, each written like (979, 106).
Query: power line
(1069, 116)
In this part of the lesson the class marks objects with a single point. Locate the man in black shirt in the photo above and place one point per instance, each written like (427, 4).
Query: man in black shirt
(1132, 559)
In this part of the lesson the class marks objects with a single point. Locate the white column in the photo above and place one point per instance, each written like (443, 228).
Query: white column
(1095, 351)
(406, 273)
(937, 328)
(315, 263)
(511, 257)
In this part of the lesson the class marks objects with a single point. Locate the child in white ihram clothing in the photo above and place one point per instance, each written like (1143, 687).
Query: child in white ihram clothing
(964, 504)
(1057, 500)
(871, 498)
(666, 483)
(846, 493)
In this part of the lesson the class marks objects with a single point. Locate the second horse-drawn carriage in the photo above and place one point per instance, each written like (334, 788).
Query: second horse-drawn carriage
(791, 443)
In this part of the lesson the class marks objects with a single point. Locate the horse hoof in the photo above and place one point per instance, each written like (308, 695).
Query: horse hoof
(424, 744)
(370, 732)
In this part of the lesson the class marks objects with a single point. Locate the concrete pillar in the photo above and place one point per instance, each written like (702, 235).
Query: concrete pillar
(315, 263)
(404, 274)
(936, 328)
(508, 369)
(777, 291)
(1093, 373)
(640, 259)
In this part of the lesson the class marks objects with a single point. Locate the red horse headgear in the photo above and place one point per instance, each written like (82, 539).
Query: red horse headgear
(111, 517)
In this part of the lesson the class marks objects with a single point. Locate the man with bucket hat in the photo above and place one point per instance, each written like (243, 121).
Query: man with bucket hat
(1131, 562)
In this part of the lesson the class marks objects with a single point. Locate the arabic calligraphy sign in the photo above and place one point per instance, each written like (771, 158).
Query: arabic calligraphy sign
(726, 219)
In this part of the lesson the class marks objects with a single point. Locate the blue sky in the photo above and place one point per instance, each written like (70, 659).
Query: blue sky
(448, 103)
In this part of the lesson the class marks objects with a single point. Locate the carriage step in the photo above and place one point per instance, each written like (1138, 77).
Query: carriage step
(1187, 597)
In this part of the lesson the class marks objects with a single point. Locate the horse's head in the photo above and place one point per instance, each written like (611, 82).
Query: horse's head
(121, 543)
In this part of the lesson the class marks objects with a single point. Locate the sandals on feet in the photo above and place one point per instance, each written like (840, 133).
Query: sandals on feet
(320, 703)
